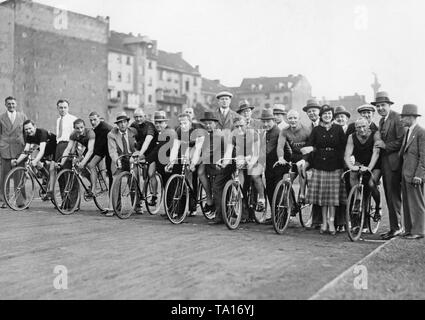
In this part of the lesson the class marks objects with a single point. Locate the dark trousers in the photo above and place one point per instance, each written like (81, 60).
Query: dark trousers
(273, 176)
(413, 208)
(219, 179)
(392, 188)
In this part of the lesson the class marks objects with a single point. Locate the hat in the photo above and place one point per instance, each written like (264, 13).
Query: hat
(366, 107)
(267, 114)
(279, 109)
(382, 97)
(410, 110)
(210, 116)
(342, 110)
(326, 108)
(224, 94)
(160, 116)
(311, 104)
(122, 116)
(243, 105)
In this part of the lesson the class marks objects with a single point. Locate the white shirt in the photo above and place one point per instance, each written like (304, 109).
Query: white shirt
(12, 116)
(224, 112)
(316, 123)
(67, 128)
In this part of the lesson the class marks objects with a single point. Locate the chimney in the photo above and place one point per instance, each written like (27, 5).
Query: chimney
(197, 68)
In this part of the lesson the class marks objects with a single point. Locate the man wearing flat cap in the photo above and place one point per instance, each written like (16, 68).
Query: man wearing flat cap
(225, 114)
(279, 111)
(245, 110)
(392, 132)
(366, 111)
(412, 154)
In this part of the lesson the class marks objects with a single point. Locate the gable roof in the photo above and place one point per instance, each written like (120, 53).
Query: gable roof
(265, 84)
(175, 61)
(213, 86)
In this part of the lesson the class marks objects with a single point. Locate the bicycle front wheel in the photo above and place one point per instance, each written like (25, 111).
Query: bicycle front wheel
(355, 214)
(101, 191)
(66, 192)
(176, 199)
(232, 205)
(18, 189)
(373, 221)
(153, 198)
(202, 200)
(124, 195)
(281, 209)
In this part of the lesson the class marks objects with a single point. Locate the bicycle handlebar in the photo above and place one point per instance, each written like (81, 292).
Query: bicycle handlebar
(359, 171)
(287, 164)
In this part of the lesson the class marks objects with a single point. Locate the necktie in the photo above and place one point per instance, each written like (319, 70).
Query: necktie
(406, 140)
(124, 143)
(60, 127)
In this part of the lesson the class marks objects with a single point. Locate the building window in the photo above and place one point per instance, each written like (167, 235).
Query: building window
(195, 97)
(119, 59)
(109, 75)
(161, 75)
(267, 95)
(285, 100)
(119, 77)
(187, 86)
(150, 65)
(253, 87)
(195, 81)
(119, 95)
(129, 78)
(260, 87)
(267, 105)
(277, 99)
(176, 92)
(150, 82)
(128, 60)
(150, 98)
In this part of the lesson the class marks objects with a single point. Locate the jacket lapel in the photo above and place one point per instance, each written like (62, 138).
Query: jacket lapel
(388, 123)
(119, 140)
(412, 137)
(18, 119)
(7, 122)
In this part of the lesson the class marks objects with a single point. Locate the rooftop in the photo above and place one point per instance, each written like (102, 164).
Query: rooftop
(213, 86)
(265, 84)
(175, 61)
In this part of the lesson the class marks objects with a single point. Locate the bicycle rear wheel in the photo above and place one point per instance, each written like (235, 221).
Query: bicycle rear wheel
(154, 207)
(66, 192)
(202, 200)
(176, 199)
(232, 205)
(18, 189)
(101, 191)
(355, 214)
(124, 195)
(373, 221)
(281, 209)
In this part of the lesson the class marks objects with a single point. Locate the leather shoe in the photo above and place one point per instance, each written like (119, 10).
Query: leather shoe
(392, 234)
(385, 234)
(414, 237)
(405, 234)
(215, 222)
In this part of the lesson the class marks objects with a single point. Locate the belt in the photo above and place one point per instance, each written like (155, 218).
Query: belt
(327, 149)
(63, 142)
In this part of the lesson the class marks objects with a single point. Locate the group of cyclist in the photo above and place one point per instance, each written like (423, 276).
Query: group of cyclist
(222, 141)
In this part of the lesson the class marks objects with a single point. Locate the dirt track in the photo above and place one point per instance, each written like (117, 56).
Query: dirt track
(146, 257)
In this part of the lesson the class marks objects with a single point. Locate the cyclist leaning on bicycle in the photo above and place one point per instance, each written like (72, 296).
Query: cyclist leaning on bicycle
(46, 141)
(362, 145)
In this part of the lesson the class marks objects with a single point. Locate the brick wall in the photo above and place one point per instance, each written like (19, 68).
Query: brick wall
(6, 53)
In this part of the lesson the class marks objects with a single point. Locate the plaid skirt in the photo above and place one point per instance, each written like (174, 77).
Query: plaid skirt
(326, 188)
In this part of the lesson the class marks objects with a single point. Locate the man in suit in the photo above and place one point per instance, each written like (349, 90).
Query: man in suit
(225, 114)
(280, 113)
(11, 139)
(412, 153)
(392, 133)
(245, 110)
(121, 141)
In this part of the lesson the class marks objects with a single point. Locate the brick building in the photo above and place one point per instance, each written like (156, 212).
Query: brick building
(47, 54)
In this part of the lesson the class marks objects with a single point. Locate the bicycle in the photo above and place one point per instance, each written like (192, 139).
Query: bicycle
(134, 187)
(285, 205)
(67, 188)
(361, 209)
(232, 201)
(19, 187)
(177, 194)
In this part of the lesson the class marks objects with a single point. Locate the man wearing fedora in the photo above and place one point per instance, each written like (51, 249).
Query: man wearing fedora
(392, 132)
(245, 110)
(224, 113)
(342, 116)
(366, 111)
(121, 141)
(412, 153)
(280, 113)
(213, 149)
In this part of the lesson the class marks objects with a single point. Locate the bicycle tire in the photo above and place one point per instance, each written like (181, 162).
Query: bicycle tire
(202, 199)
(354, 226)
(232, 205)
(176, 199)
(373, 225)
(153, 210)
(124, 195)
(66, 192)
(23, 176)
(102, 192)
(281, 211)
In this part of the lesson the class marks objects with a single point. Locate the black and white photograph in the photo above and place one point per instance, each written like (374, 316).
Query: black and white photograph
(212, 154)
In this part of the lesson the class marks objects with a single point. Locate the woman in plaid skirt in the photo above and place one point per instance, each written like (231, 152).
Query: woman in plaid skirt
(326, 189)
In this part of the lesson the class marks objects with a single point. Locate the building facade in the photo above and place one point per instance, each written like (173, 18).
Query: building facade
(47, 54)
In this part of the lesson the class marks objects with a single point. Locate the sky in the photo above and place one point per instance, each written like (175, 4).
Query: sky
(336, 44)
